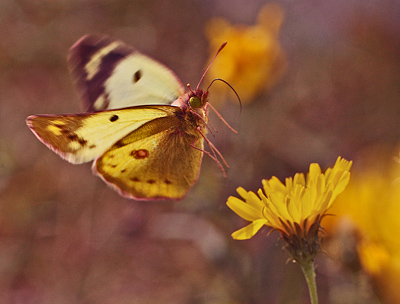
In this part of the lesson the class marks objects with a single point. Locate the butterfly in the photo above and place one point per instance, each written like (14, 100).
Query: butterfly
(143, 129)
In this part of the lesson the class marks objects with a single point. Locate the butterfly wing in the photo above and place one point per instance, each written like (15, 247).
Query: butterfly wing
(157, 161)
(143, 152)
(80, 138)
(112, 75)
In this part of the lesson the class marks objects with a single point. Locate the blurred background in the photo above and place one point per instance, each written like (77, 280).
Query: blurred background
(317, 79)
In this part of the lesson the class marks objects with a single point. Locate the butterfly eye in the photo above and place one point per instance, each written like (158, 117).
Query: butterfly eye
(195, 102)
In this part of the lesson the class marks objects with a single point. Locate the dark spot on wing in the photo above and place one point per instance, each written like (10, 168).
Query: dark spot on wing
(168, 182)
(114, 118)
(92, 146)
(137, 76)
(72, 136)
(135, 179)
(82, 142)
(123, 170)
(150, 181)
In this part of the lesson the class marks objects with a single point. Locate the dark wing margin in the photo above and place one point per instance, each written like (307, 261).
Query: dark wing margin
(92, 60)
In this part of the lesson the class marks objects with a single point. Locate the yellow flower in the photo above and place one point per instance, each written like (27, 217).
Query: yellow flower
(374, 257)
(253, 58)
(372, 203)
(295, 208)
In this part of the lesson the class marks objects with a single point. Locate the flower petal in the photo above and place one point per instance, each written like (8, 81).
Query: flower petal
(245, 211)
(249, 231)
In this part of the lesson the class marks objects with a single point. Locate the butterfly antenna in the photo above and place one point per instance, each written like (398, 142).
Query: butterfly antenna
(190, 88)
(234, 91)
(209, 66)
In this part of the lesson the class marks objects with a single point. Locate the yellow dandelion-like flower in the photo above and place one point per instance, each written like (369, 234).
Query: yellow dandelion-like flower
(254, 59)
(295, 208)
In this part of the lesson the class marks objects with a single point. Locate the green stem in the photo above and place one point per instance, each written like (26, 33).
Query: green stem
(309, 273)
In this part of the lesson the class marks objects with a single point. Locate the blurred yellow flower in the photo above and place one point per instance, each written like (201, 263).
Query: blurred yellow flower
(295, 208)
(374, 257)
(253, 60)
(372, 203)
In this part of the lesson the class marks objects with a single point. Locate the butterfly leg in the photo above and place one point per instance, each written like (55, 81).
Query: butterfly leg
(205, 123)
(215, 153)
(220, 117)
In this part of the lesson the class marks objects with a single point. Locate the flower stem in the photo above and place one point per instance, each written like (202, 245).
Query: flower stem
(309, 272)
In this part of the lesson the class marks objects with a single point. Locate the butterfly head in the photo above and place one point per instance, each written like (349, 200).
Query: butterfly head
(197, 99)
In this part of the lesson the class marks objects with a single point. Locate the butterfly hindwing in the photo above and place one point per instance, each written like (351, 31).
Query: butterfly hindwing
(155, 161)
(113, 75)
(80, 138)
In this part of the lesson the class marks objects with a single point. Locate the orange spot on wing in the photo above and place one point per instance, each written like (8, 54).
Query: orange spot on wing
(140, 154)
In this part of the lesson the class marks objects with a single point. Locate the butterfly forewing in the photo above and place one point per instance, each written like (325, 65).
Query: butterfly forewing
(113, 75)
(81, 138)
(162, 164)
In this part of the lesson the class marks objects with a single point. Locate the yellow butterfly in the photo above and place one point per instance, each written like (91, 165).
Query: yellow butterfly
(144, 132)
